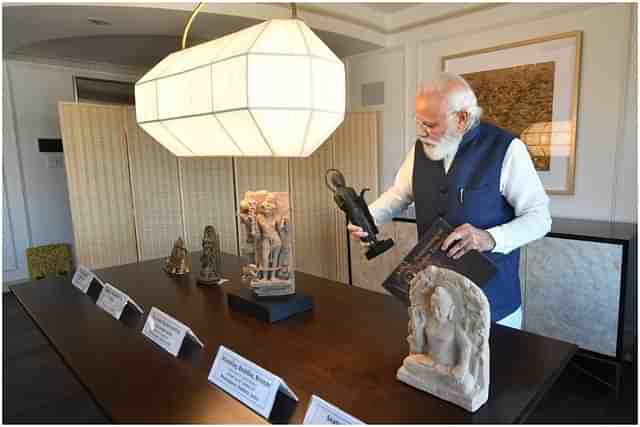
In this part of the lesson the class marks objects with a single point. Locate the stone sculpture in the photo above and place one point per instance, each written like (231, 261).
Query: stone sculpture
(449, 322)
(178, 262)
(210, 260)
(265, 217)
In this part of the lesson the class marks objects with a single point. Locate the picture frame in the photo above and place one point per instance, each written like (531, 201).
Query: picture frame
(531, 88)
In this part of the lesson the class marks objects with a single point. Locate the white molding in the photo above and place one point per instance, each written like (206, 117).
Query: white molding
(485, 20)
(74, 65)
(630, 72)
(13, 176)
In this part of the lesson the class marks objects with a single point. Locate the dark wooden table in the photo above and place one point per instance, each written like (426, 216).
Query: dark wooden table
(346, 351)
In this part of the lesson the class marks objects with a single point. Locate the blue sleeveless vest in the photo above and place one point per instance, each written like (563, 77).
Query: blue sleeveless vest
(470, 193)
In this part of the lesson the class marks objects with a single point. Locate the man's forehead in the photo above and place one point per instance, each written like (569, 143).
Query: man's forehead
(428, 104)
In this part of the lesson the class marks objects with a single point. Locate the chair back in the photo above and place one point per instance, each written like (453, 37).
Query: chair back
(49, 260)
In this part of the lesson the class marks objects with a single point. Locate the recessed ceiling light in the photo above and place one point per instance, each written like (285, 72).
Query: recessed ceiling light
(97, 21)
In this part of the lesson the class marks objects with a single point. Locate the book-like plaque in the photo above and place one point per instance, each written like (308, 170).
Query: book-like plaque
(473, 265)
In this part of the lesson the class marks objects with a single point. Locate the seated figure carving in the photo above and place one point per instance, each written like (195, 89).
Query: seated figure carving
(448, 338)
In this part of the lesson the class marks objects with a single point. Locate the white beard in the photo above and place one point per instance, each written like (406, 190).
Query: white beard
(447, 145)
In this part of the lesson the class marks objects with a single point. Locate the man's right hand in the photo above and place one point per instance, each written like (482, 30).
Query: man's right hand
(356, 232)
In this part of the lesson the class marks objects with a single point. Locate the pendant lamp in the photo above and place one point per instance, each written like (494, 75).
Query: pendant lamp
(273, 89)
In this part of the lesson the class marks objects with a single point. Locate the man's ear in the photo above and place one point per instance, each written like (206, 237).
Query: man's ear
(462, 118)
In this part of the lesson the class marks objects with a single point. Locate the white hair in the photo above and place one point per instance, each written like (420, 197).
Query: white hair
(460, 96)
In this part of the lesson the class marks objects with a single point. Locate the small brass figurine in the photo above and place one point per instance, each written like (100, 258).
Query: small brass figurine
(178, 263)
(210, 259)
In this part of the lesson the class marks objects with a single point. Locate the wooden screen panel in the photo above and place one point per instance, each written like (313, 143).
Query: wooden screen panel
(156, 191)
(262, 173)
(355, 153)
(314, 214)
(207, 190)
(100, 196)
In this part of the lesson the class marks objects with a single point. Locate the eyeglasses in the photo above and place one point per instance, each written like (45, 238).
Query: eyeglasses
(428, 126)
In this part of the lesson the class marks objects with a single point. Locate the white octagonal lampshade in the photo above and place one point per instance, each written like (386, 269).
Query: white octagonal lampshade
(274, 89)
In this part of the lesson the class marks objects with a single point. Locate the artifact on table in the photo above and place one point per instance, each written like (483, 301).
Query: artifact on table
(357, 212)
(178, 263)
(248, 219)
(265, 217)
(210, 260)
(448, 338)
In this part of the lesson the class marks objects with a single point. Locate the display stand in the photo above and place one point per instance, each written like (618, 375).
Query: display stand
(269, 309)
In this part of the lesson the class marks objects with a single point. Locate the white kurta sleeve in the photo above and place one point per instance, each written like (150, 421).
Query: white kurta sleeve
(398, 196)
(521, 186)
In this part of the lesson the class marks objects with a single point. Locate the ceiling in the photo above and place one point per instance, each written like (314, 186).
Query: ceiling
(388, 8)
(137, 36)
(141, 34)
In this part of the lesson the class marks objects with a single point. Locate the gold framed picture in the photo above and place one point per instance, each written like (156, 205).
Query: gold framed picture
(530, 88)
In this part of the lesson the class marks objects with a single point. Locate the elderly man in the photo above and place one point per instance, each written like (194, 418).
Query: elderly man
(477, 177)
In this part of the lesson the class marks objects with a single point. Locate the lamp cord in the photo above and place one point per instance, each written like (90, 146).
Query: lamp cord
(188, 26)
(294, 15)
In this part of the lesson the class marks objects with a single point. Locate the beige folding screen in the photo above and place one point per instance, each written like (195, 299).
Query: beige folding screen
(321, 239)
(208, 199)
(355, 151)
(97, 167)
(130, 198)
(313, 212)
(156, 193)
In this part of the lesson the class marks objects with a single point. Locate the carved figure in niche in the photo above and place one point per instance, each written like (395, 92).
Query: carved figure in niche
(269, 240)
(282, 227)
(248, 219)
(448, 338)
(210, 260)
(265, 217)
(178, 262)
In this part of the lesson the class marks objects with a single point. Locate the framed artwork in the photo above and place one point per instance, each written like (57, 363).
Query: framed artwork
(531, 89)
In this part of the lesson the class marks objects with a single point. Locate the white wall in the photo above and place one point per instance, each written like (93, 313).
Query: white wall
(36, 195)
(386, 65)
(605, 186)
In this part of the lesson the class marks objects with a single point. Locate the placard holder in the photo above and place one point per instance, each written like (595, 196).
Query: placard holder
(261, 391)
(190, 349)
(269, 309)
(130, 315)
(170, 334)
(283, 409)
(94, 289)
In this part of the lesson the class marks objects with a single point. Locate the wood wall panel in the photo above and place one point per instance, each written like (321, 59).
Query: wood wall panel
(313, 212)
(207, 189)
(355, 153)
(156, 191)
(100, 196)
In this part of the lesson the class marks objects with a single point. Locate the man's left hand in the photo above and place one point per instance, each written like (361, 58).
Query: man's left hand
(467, 237)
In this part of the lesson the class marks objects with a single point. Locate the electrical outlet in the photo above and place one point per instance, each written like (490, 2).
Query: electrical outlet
(55, 161)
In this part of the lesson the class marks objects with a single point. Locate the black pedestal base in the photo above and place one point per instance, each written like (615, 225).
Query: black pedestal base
(269, 309)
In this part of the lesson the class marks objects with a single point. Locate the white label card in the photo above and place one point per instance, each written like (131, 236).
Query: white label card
(82, 278)
(113, 300)
(249, 383)
(322, 412)
(166, 331)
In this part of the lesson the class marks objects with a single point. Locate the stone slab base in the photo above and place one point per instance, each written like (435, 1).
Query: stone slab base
(470, 403)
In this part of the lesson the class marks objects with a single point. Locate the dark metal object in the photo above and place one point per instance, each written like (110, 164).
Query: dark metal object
(357, 212)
